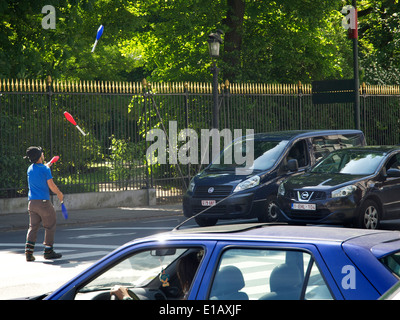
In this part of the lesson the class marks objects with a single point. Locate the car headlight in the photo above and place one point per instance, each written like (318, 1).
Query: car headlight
(281, 189)
(247, 184)
(343, 192)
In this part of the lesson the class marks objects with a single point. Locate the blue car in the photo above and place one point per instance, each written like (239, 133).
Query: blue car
(244, 262)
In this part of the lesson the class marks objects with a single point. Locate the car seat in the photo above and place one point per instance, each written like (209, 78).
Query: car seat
(227, 285)
(285, 283)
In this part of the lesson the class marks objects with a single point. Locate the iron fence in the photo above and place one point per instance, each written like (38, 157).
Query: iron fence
(117, 116)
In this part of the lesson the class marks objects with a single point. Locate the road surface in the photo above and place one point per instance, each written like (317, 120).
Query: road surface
(80, 247)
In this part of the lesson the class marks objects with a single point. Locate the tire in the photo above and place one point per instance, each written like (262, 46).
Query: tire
(206, 222)
(270, 212)
(370, 215)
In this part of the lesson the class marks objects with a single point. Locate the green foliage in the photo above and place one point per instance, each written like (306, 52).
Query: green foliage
(16, 182)
(281, 41)
(380, 42)
(128, 159)
(29, 51)
(12, 164)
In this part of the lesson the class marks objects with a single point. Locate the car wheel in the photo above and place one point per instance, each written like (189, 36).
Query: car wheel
(369, 215)
(270, 212)
(206, 222)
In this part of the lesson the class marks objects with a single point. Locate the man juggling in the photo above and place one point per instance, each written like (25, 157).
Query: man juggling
(40, 208)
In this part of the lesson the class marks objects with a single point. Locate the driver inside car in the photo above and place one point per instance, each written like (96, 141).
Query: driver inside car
(186, 270)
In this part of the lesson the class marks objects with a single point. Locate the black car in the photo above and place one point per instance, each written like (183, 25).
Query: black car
(221, 191)
(354, 186)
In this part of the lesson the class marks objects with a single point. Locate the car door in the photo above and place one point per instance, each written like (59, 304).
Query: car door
(266, 271)
(390, 188)
(152, 268)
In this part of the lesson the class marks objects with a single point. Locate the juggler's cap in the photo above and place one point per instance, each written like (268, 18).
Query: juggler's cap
(34, 153)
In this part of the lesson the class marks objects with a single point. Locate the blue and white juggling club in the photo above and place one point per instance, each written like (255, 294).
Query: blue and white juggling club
(99, 33)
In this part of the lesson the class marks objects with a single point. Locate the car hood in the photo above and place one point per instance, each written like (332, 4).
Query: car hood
(321, 181)
(211, 178)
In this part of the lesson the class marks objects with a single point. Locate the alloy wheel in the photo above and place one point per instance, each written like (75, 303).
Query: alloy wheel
(371, 217)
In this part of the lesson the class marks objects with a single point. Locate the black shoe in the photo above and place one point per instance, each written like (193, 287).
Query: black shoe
(52, 255)
(29, 257)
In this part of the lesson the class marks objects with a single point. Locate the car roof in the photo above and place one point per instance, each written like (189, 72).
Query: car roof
(291, 134)
(288, 233)
(279, 231)
(386, 149)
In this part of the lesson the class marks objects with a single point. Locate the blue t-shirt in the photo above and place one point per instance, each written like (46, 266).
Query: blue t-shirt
(38, 174)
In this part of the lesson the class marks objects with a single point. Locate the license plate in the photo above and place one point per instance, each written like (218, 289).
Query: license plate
(304, 206)
(208, 203)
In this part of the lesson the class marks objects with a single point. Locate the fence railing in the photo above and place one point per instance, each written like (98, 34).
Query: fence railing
(117, 115)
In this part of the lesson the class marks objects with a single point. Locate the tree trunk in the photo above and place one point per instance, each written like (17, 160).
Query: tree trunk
(233, 37)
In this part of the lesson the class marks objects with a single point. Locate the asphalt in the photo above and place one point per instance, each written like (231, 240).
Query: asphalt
(17, 221)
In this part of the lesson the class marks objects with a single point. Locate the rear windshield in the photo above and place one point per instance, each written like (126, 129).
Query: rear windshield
(392, 262)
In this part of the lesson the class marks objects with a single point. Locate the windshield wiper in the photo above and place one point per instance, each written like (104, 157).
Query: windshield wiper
(221, 169)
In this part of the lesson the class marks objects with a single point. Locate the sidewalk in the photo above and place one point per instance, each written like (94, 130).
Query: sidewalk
(9, 222)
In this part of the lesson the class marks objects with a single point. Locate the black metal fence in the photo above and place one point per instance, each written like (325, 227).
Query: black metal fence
(117, 116)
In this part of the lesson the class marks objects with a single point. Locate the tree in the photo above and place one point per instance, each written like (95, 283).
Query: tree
(166, 40)
(265, 41)
(29, 51)
(233, 36)
(379, 29)
(293, 40)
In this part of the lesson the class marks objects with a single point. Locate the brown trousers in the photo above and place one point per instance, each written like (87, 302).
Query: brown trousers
(41, 212)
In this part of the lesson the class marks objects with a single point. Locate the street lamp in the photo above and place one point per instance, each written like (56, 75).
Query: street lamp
(214, 43)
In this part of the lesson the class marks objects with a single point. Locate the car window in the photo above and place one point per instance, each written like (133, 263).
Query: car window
(299, 152)
(262, 274)
(392, 262)
(393, 162)
(157, 274)
(322, 146)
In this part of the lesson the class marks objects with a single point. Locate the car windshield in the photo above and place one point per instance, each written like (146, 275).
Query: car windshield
(350, 161)
(136, 271)
(260, 155)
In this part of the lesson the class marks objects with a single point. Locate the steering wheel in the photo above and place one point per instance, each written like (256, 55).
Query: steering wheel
(129, 292)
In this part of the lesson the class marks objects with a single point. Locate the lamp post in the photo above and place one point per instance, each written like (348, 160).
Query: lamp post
(214, 43)
(354, 36)
(352, 27)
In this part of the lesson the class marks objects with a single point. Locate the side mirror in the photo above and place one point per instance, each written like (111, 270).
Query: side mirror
(293, 165)
(393, 173)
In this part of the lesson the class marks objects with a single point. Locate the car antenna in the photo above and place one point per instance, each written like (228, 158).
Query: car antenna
(197, 214)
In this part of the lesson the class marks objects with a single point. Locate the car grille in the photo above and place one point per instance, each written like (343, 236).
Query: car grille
(219, 192)
(308, 215)
(317, 195)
